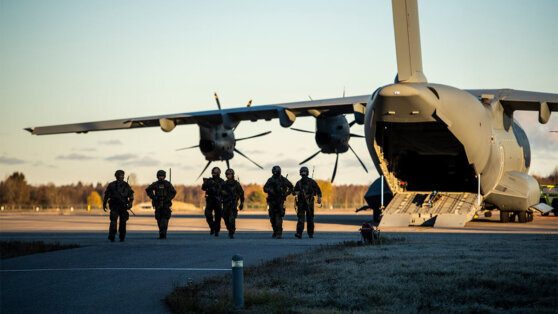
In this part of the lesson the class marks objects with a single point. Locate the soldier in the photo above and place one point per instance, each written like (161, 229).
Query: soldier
(213, 188)
(161, 193)
(232, 193)
(120, 197)
(305, 190)
(277, 188)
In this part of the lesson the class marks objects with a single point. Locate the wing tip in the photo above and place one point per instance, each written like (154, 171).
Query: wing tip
(30, 130)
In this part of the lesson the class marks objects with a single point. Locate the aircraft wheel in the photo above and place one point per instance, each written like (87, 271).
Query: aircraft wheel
(487, 214)
(376, 215)
(512, 216)
(529, 217)
(504, 217)
(522, 216)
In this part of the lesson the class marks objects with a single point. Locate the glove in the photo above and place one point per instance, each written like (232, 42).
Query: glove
(130, 205)
(241, 206)
(105, 206)
(319, 199)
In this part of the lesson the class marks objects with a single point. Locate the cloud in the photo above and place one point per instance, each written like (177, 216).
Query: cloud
(284, 163)
(110, 142)
(74, 156)
(120, 157)
(11, 161)
(253, 152)
(143, 162)
(85, 149)
(40, 163)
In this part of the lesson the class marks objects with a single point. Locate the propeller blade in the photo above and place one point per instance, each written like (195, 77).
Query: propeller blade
(356, 135)
(363, 166)
(228, 165)
(310, 98)
(343, 91)
(241, 154)
(335, 168)
(352, 123)
(188, 147)
(249, 103)
(257, 135)
(217, 100)
(307, 159)
(304, 131)
(208, 163)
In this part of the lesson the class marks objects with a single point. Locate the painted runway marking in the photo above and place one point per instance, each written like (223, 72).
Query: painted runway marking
(114, 268)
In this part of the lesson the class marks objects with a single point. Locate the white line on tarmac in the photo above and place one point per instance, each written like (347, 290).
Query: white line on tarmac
(113, 268)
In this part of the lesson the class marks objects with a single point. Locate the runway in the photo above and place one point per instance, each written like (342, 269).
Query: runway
(136, 275)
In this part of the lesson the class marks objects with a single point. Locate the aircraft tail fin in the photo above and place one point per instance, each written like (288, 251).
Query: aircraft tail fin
(407, 41)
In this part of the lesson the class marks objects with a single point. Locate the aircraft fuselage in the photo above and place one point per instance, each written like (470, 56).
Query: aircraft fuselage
(436, 137)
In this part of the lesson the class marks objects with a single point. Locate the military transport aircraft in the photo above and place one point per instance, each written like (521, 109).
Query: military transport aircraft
(443, 153)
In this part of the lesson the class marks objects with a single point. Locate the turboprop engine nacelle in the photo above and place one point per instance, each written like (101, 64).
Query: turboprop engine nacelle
(217, 143)
(332, 134)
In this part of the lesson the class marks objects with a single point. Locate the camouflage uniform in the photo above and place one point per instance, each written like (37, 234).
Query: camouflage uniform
(232, 193)
(277, 188)
(305, 189)
(161, 193)
(120, 197)
(213, 203)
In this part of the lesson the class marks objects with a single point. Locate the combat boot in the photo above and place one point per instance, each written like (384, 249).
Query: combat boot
(311, 236)
(298, 235)
(121, 239)
(231, 235)
(279, 236)
(274, 235)
(111, 238)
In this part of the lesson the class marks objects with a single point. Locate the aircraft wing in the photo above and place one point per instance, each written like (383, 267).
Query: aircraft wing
(286, 112)
(513, 100)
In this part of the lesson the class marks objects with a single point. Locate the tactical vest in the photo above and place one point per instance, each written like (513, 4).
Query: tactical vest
(161, 193)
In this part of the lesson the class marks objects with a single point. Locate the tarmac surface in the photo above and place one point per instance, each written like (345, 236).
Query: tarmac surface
(136, 275)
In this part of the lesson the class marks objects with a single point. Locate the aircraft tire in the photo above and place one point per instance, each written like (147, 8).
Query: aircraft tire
(504, 217)
(376, 215)
(512, 216)
(529, 217)
(522, 216)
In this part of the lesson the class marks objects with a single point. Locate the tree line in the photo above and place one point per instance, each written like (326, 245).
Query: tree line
(16, 193)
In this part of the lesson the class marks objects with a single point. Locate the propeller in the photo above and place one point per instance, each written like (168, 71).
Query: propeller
(308, 159)
(204, 169)
(257, 135)
(335, 167)
(188, 147)
(361, 163)
(217, 100)
(303, 131)
(229, 166)
(356, 135)
(241, 154)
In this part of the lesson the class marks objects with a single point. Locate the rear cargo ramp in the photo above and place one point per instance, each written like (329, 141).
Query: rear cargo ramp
(442, 209)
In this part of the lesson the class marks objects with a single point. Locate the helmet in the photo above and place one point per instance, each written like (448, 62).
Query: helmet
(161, 173)
(216, 169)
(229, 171)
(276, 170)
(118, 172)
(304, 169)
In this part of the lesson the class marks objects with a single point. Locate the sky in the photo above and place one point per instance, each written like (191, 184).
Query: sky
(75, 61)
